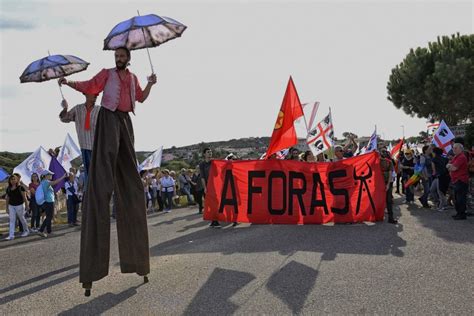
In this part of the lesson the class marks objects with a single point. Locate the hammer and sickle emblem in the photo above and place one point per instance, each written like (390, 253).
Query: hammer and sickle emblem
(363, 184)
(279, 121)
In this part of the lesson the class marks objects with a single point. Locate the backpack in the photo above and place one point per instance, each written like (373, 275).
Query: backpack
(39, 195)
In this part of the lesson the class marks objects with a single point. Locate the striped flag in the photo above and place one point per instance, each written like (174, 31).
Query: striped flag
(321, 138)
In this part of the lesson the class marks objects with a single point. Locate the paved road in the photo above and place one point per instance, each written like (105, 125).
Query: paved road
(424, 265)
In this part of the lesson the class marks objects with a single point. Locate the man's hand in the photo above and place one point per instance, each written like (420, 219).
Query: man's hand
(64, 104)
(62, 81)
(152, 79)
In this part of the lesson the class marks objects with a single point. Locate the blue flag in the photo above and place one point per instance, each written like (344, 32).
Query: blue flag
(3, 174)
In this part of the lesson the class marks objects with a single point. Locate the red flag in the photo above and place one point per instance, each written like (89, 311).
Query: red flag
(396, 149)
(284, 133)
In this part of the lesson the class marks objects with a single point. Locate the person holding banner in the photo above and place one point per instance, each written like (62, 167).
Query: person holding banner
(204, 169)
(387, 168)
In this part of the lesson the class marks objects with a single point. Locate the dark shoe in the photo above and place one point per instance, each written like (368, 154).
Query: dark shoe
(235, 224)
(459, 217)
(393, 221)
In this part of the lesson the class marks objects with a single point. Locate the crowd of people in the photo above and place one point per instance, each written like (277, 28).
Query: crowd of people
(444, 182)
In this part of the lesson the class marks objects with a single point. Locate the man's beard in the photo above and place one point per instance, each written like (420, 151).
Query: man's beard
(121, 66)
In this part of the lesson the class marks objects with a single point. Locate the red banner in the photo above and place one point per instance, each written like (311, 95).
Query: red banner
(293, 192)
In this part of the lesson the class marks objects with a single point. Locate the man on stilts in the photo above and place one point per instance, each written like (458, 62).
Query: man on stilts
(113, 169)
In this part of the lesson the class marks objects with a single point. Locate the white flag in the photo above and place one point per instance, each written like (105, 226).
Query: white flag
(321, 138)
(152, 161)
(443, 137)
(68, 153)
(36, 162)
(309, 111)
(372, 145)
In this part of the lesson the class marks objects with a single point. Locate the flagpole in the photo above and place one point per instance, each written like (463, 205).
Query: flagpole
(331, 150)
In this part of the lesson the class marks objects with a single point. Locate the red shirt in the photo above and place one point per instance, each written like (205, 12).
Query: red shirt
(97, 84)
(461, 174)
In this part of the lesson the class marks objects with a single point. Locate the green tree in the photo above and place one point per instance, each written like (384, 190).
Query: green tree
(436, 82)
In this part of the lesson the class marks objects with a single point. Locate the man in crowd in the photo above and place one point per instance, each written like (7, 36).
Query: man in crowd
(114, 168)
(185, 186)
(460, 179)
(426, 174)
(387, 168)
(204, 168)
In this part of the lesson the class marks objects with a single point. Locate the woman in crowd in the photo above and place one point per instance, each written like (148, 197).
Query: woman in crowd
(16, 201)
(308, 156)
(34, 208)
(72, 200)
(48, 206)
(159, 195)
(167, 189)
(176, 188)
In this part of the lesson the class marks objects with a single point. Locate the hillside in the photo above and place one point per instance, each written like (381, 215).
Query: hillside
(247, 148)
(189, 156)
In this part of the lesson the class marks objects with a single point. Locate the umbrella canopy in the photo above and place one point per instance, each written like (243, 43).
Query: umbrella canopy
(143, 32)
(53, 67)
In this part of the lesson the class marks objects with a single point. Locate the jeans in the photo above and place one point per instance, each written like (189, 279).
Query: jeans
(71, 210)
(86, 160)
(48, 207)
(35, 213)
(198, 198)
(186, 191)
(389, 199)
(426, 190)
(410, 194)
(14, 212)
(460, 193)
(168, 199)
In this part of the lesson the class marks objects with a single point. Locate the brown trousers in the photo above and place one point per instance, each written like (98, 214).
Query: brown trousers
(113, 168)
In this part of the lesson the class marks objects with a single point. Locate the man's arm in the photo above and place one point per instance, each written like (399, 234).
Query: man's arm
(142, 95)
(54, 182)
(66, 116)
(93, 86)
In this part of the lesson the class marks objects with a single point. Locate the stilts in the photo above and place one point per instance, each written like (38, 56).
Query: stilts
(87, 286)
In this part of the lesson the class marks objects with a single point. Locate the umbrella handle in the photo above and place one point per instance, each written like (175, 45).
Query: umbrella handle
(151, 64)
(61, 90)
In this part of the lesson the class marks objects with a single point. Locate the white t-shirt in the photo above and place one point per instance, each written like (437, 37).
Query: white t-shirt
(167, 184)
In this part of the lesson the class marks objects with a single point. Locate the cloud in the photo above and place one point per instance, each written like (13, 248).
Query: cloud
(11, 24)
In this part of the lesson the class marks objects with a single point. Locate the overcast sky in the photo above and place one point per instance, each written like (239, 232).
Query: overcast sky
(225, 77)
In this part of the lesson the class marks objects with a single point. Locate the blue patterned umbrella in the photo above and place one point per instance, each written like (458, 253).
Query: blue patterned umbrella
(52, 67)
(142, 32)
